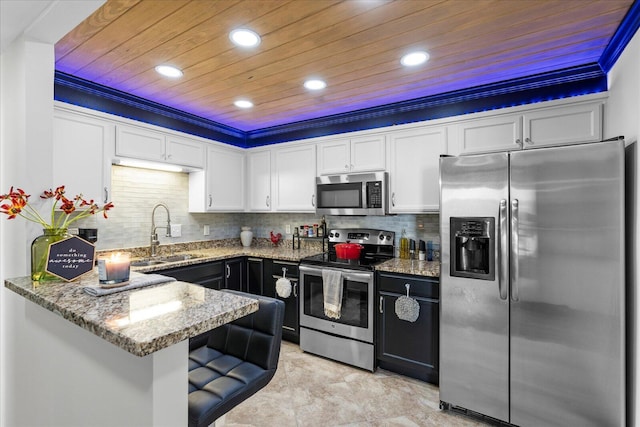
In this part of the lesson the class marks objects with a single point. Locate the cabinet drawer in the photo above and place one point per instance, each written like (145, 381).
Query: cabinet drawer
(419, 287)
(199, 273)
(292, 269)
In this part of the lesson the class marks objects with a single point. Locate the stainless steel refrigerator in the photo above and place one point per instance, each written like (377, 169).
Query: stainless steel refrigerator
(532, 309)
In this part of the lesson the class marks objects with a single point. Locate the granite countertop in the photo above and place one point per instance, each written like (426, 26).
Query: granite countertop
(221, 253)
(200, 255)
(140, 321)
(414, 267)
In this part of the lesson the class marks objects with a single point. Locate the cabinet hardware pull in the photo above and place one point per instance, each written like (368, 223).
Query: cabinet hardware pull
(210, 200)
(346, 167)
(228, 271)
(267, 201)
(528, 141)
(106, 194)
(518, 142)
(393, 199)
(295, 290)
(313, 200)
(380, 305)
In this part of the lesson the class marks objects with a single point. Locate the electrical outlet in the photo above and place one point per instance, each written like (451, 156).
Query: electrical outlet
(176, 230)
(287, 229)
(207, 230)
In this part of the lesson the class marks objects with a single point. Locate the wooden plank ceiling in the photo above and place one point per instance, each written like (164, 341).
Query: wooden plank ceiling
(354, 45)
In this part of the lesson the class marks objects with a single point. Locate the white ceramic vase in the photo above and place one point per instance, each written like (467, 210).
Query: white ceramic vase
(246, 236)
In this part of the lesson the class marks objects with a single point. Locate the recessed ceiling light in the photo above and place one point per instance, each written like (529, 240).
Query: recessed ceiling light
(414, 58)
(169, 71)
(243, 103)
(245, 38)
(315, 84)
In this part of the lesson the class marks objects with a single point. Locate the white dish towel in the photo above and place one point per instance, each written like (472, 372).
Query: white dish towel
(332, 292)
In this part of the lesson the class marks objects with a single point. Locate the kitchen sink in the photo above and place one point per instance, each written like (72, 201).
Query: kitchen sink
(146, 262)
(161, 260)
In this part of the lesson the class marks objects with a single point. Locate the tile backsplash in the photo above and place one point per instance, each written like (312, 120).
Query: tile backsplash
(136, 191)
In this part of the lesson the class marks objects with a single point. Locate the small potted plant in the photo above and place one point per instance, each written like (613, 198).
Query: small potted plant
(16, 204)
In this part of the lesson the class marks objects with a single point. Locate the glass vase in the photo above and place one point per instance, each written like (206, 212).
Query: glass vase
(40, 252)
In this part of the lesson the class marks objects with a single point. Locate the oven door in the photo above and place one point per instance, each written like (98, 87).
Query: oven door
(356, 319)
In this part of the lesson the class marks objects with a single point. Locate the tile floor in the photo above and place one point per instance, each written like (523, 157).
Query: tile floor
(310, 391)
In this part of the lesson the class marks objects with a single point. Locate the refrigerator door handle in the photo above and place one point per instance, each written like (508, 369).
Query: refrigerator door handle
(503, 245)
(514, 249)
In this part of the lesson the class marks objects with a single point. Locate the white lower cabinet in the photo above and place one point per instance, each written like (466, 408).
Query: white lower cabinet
(220, 187)
(259, 181)
(87, 144)
(295, 179)
(414, 157)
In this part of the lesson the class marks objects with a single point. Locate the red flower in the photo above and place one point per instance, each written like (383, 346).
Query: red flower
(67, 206)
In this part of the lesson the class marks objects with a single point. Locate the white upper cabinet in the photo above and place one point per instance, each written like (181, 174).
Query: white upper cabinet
(361, 154)
(501, 133)
(259, 180)
(563, 125)
(87, 144)
(186, 152)
(542, 127)
(414, 159)
(220, 187)
(147, 144)
(294, 178)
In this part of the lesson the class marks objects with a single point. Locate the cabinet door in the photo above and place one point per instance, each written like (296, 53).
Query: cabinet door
(409, 345)
(182, 151)
(501, 133)
(89, 143)
(410, 348)
(413, 170)
(259, 180)
(234, 274)
(291, 322)
(255, 276)
(140, 143)
(225, 180)
(295, 179)
(334, 157)
(563, 125)
(368, 154)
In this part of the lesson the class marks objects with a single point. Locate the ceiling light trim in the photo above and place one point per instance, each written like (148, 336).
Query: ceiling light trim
(245, 38)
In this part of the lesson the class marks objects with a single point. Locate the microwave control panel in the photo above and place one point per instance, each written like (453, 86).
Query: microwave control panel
(374, 194)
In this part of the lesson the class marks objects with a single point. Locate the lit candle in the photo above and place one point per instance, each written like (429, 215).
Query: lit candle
(114, 268)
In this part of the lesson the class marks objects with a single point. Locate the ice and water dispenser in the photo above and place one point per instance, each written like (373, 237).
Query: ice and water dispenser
(473, 247)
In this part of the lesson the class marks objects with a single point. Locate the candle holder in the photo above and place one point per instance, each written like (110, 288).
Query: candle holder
(114, 268)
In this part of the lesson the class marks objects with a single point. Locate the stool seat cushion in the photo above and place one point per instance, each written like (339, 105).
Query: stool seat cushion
(237, 360)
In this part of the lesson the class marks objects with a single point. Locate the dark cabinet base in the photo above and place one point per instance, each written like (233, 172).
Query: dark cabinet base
(408, 348)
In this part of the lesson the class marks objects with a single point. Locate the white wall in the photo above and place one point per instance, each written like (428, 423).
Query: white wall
(26, 122)
(622, 117)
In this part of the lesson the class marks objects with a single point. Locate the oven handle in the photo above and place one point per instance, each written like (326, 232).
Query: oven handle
(355, 276)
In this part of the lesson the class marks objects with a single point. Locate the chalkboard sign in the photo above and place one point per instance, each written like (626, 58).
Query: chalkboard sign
(70, 258)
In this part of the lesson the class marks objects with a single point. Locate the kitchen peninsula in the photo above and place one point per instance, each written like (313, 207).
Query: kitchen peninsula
(130, 369)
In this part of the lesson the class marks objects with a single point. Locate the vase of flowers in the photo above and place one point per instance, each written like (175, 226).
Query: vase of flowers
(61, 217)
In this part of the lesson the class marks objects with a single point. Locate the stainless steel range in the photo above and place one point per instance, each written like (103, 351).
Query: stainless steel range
(348, 338)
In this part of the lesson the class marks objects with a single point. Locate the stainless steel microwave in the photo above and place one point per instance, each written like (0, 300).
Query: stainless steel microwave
(352, 194)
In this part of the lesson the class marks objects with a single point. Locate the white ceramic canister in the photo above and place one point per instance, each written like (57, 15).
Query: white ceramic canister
(246, 236)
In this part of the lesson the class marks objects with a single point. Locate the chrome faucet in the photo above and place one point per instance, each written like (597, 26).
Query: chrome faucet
(154, 235)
